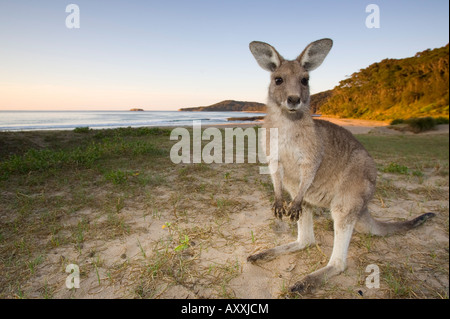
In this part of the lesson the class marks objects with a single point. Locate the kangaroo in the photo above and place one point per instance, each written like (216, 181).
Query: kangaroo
(319, 164)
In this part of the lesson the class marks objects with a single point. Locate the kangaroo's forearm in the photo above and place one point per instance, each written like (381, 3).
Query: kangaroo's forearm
(307, 175)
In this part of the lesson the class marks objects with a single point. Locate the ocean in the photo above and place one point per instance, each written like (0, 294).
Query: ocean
(68, 120)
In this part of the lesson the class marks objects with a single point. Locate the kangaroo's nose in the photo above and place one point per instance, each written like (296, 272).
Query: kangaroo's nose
(293, 99)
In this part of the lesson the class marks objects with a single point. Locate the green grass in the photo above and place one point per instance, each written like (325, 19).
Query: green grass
(414, 152)
(78, 157)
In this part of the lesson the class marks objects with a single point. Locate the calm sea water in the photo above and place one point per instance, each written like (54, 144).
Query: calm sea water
(67, 120)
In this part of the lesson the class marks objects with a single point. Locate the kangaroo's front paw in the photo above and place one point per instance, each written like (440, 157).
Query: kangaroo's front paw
(279, 209)
(294, 211)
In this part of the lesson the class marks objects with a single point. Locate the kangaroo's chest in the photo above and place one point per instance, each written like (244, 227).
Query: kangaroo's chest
(290, 149)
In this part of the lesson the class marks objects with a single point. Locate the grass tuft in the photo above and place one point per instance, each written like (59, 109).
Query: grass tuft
(396, 168)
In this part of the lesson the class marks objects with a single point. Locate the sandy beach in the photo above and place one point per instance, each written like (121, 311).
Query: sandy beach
(356, 126)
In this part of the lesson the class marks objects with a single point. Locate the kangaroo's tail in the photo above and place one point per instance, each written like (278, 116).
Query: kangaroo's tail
(368, 224)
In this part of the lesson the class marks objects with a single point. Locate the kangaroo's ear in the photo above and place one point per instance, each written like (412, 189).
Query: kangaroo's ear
(267, 57)
(314, 54)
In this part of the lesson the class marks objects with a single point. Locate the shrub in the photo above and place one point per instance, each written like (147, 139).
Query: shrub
(82, 129)
(397, 121)
(421, 124)
(441, 120)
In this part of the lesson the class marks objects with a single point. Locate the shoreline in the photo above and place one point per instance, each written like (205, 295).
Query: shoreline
(355, 126)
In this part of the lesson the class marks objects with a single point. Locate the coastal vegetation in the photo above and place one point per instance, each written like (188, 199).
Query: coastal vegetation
(395, 88)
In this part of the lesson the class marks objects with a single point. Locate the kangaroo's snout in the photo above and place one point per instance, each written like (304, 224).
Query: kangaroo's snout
(293, 102)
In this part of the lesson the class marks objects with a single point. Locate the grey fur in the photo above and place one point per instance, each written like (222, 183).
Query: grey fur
(319, 164)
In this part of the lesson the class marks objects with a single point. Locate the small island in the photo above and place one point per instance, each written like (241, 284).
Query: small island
(229, 106)
(137, 110)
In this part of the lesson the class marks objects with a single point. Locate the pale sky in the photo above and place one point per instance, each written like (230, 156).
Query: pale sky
(164, 55)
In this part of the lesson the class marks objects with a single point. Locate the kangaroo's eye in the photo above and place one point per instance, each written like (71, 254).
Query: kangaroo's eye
(304, 81)
(278, 81)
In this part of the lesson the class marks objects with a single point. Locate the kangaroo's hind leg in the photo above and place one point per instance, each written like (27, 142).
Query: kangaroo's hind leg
(305, 238)
(344, 223)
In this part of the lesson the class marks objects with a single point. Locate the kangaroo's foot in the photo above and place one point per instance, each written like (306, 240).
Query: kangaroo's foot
(316, 279)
